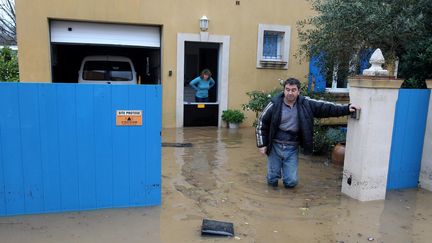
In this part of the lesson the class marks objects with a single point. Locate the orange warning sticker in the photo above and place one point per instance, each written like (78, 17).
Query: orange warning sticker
(129, 118)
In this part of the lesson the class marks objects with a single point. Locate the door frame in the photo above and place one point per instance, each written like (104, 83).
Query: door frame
(223, 72)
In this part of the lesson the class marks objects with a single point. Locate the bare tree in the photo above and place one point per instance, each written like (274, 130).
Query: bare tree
(7, 22)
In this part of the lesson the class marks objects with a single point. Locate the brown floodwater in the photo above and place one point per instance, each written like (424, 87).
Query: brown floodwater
(222, 177)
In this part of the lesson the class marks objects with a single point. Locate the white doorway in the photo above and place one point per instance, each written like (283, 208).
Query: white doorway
(222, 72)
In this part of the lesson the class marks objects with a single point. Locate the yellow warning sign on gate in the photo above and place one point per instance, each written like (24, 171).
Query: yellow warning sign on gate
(129, 118)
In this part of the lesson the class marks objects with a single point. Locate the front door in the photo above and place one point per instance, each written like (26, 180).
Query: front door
(200, 56)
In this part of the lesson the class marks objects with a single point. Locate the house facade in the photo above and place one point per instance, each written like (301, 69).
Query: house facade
(248, 45)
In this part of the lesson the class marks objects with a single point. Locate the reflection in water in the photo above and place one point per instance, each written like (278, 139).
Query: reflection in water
(100, 226)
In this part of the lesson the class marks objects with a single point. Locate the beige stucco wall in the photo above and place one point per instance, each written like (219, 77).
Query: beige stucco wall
(175, 16)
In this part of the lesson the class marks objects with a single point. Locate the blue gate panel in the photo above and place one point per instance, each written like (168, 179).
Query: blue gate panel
(85, 147)
(49, 145)
(121, 143)
(138, 154)
(11, 150)
(2, 185)
(408, 137)
(66, 98)
(154, 180)
(103, 147)
(30, 147)
(60, 148)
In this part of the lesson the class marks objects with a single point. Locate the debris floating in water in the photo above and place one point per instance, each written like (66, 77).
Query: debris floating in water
(304, 210)
(177, 145)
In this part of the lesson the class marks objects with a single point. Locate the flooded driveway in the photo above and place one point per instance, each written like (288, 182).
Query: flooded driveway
(222, 177)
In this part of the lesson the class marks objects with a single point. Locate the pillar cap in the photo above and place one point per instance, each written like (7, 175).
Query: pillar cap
(376, 61)
(429, 83)
(375, 82)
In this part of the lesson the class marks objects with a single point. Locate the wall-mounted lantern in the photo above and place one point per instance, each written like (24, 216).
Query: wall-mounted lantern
(204, 23)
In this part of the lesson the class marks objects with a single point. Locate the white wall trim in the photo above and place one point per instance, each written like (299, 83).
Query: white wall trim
(224, 42)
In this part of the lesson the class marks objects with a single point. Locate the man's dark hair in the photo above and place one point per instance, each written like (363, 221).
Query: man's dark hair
(292, 81)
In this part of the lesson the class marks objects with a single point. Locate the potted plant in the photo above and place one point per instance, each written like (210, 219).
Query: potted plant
(233, 117)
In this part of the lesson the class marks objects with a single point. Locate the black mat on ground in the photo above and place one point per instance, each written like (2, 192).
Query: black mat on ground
(217, 228)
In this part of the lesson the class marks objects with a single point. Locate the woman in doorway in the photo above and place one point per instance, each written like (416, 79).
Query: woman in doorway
(202, 84)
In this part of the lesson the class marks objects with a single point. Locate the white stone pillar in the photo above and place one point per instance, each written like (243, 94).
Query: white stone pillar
(426, 165)
(369, 138)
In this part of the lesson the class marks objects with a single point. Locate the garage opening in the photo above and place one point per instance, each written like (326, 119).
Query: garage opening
(67, 58)
(200, 56)
(72, 42)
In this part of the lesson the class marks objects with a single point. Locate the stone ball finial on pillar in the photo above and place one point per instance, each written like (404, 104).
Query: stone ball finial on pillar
(376, 60)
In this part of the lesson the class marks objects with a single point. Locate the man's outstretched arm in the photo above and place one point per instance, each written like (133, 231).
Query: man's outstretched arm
(323, 109)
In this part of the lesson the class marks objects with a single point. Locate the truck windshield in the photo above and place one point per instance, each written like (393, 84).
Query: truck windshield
(107, 71)
(120, 71)
(95, 70)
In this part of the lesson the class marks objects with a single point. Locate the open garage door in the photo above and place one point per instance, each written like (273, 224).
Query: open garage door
(72, 41)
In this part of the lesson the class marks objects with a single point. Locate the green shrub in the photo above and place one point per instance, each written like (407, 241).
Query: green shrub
(233, 116)
(258, 100)
(413, 84)
(305, 91)
(325, 138)
(320, 141)
(416, 63)
(8, 65)
(335, 136)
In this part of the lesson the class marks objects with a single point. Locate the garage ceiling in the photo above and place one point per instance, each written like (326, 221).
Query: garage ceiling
(104, 34)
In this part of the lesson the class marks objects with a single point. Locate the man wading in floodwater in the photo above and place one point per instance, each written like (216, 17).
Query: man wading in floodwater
(286, 123)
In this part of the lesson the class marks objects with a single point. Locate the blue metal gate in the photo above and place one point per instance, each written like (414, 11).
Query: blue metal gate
(60, 148)
(408, 137)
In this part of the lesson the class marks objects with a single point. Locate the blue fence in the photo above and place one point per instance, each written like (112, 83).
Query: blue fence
(408, 137)
(60, 148)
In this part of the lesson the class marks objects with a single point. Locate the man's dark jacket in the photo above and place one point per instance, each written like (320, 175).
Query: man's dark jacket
(269, 120)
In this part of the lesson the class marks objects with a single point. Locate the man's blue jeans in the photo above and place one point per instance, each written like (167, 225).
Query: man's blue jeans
(283, 160)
